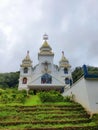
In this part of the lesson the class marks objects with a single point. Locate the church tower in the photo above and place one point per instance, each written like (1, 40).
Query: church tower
(45, 56)
(65, 71)
(25, 72)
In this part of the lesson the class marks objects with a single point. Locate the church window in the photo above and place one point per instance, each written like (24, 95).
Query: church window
(46, 79)
(70, 82)
(25, 70)
(67, 81)
(65, 71)
(24, 81)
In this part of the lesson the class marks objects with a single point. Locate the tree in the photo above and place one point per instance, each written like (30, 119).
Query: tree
(9, 79)
(78, 72)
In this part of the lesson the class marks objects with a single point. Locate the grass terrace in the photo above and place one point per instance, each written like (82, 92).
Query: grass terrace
(46, 110)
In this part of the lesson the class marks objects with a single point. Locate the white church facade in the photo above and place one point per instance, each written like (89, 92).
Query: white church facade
(48, 76)
(45, 75)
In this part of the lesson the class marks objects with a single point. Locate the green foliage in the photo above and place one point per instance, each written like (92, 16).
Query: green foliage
(31, 92)
(92, 70)
(67, 98)
(1, 91)
(32, 100)
(9, 80)
(23, 92)
(30, 112)
(95, 118)
(12, 95)
(51, 96)
(78, 72)
(46, 116)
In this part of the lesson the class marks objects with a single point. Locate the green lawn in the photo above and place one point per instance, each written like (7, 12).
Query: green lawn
(32, 100)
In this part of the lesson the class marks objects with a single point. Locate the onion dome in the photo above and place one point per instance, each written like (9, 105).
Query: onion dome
(45, 48)
(26, 62)
(64, 62)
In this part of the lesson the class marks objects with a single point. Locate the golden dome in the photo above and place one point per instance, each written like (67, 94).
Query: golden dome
(45, 48)
(45, 45)
(64, 62)
(63, 59)
(27, 61)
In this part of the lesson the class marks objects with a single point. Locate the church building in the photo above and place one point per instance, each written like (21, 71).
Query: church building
(45, 75)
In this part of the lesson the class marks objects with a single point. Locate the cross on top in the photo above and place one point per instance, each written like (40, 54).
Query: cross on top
(45, 37)
(63, 53)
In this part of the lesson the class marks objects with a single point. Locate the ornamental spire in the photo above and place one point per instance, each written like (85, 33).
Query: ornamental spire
(28, 52)
(45, 48)
(45, 37)
(27, 56)
(63, 57)
(64, 62)
(62, 53)
(26, 62)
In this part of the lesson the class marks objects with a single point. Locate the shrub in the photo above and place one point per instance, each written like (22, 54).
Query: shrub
(31, 92)
(12, 95)
(1, 91)
(51, 96)
(4, 98)
(20, 98)
(69, 98)
(23, 92)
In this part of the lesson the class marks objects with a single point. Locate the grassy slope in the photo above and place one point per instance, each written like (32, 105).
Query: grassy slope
(32, 100)
(35, 100)
(42, 114)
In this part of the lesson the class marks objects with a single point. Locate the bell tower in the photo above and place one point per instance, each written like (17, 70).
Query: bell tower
(65, 71)
(25, 72)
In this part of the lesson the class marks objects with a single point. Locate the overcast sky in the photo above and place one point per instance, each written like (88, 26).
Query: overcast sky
(72, 27)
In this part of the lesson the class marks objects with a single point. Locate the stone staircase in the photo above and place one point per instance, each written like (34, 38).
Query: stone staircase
(46, 117)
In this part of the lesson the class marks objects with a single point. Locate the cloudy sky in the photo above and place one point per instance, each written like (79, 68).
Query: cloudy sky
(72, 27)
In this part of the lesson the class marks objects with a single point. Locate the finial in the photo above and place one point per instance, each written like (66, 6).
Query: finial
(63, 53)
(27, 52)
(45, 37)
(27, 56)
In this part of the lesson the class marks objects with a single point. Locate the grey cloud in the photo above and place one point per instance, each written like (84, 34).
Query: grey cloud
(71, 26)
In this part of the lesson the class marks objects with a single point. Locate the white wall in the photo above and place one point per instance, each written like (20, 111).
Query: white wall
(92, 88)
(42, 59)
(86, 93)
(25, 74)
(80, 92)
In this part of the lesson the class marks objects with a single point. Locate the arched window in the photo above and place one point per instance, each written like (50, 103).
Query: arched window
(25, 70)
(67, 81)
(24, 81)
(65, 71)
(46, 79)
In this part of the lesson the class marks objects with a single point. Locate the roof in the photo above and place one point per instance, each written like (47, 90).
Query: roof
(45, 44)
(26, 61)
(64, 62)
(45, 48)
